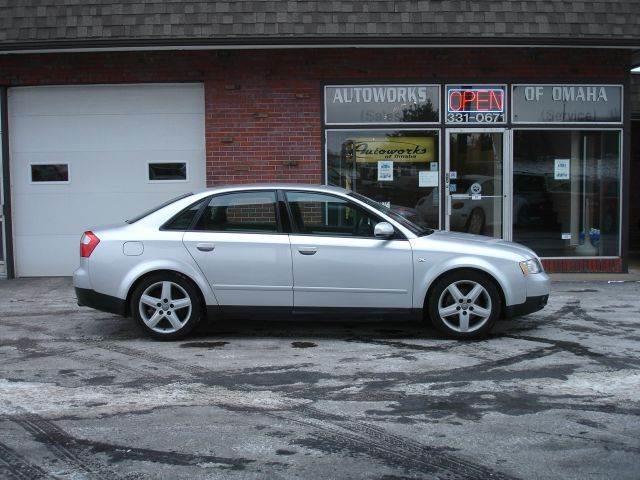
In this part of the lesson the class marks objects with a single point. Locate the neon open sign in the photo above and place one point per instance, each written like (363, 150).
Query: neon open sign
(476, 104)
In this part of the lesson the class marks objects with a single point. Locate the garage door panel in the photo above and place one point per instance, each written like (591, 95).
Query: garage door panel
(92, 172)
(107, 135)
(75, 213)
(125, 132)
(106, 99)
(46, 256)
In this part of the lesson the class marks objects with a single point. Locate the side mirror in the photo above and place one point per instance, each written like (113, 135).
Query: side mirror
(384, 230)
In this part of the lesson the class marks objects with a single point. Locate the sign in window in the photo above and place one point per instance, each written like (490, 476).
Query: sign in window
(475, 104)
(567, 103)
(381, 104)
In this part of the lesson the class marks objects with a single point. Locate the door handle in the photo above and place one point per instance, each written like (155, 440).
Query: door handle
(205, 247)
(308, 250)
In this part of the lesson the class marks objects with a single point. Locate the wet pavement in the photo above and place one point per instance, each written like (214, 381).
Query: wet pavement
(83, 394)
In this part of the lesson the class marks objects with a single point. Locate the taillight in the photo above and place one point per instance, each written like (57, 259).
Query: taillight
(88, 243)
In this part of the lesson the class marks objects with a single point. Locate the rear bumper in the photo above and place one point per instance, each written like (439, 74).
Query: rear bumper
(100, 301)
(530, 305)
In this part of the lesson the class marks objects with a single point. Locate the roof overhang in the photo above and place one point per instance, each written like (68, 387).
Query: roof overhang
(254, 43)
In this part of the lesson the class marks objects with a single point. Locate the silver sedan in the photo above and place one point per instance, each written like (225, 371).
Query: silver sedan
(300, 250)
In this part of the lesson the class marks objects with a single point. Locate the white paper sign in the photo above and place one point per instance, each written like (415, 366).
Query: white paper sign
(561, 170)
(566, 236)
(476, 197)
(385, 170)
(433, 166)
(453, 175)
(427, 178)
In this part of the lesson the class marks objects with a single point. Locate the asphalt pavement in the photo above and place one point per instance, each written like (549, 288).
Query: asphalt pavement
(84, 394)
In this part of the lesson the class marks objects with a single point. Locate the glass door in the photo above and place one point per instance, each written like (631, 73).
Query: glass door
(475, 186)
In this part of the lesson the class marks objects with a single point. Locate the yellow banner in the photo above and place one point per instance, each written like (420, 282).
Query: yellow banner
(397, 149)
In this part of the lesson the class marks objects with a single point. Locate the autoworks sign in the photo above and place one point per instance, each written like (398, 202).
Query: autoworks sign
(381, 104)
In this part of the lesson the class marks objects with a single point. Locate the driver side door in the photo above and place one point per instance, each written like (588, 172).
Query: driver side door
(337, 261)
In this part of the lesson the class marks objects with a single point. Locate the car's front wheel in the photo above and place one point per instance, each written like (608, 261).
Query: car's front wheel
(166, 305)
(464, 304)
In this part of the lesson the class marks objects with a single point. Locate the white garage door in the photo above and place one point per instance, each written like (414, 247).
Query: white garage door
(84, 156)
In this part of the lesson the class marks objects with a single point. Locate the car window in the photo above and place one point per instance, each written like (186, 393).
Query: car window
(184, 219)
(322, 214)
(243, 212)
(419, 230)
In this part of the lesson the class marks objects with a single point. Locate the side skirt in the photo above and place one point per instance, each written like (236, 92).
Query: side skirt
(311, 313)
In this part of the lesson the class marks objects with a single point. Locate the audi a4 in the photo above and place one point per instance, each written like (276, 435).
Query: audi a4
(282, 250)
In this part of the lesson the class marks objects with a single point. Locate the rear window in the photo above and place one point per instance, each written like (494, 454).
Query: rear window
(184, 219)
(155, 209)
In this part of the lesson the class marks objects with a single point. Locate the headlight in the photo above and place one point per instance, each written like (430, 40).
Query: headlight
(531, 266)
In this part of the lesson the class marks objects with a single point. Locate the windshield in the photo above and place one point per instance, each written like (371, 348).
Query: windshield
(155, 209)
(418, 230)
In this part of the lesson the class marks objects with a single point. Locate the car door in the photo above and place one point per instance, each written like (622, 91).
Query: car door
(238, 243)
(337, 261)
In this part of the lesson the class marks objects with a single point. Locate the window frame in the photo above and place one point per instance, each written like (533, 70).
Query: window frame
(49, 182)
(207, 200)
(150, 162)
(295, 229)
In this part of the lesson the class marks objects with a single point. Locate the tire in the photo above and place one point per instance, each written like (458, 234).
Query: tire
(169, 320)
(477, 315)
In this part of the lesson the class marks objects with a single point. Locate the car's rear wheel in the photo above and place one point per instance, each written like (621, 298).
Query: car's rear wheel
(166, 305)
(464, 304)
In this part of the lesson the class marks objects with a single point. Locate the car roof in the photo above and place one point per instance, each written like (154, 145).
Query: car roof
(273, 186)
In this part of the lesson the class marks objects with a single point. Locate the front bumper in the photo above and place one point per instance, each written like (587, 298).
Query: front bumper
(100, 301)
(530, 305)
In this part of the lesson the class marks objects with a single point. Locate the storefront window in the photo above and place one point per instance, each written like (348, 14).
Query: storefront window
(399, 168)
(566, 195)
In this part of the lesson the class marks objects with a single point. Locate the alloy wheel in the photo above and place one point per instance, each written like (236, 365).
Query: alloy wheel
(465, 306)
(165, 307)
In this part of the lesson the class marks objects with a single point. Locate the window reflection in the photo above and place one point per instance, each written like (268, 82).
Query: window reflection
(566, 192)
(398, 168)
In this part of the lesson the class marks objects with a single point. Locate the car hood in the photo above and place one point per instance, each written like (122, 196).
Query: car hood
(468, 243)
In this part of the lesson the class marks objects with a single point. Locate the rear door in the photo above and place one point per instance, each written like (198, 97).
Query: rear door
(337, 261)
(239, 244)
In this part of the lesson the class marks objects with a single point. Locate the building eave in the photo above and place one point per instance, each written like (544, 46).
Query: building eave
(247, 43)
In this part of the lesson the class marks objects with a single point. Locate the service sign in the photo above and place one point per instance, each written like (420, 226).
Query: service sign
(566, 103)
(381, 104)
(476, 104)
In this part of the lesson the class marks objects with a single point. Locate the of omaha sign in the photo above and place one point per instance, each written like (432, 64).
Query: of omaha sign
(380, 104)
(566, 103)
